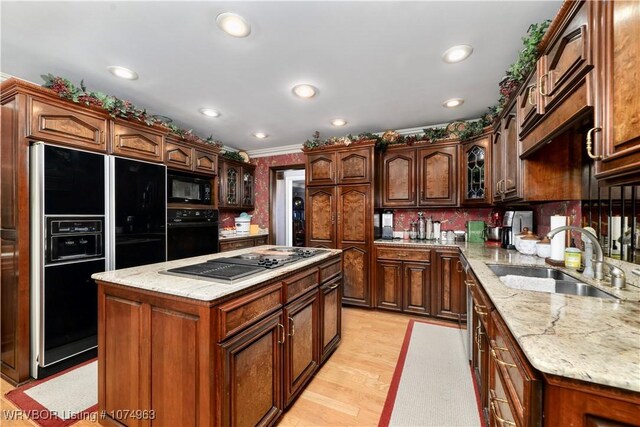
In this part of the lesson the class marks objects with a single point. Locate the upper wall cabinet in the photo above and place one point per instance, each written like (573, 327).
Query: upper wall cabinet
(563, 94)
(475, 172)
(355, 166)
(236, 185)
(438, 176)
(67, 126)
(321, 169)
(137, 141)
(398, 177)
(617, 111)
(182, 155)
(507, 164)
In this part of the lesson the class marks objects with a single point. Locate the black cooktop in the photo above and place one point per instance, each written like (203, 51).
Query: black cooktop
(215, 270)
(230, 269)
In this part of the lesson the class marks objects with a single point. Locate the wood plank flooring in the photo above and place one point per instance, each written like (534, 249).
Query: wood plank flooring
(349, 390)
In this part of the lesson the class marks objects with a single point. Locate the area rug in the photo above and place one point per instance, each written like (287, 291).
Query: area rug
(432, 384)
(61, 399)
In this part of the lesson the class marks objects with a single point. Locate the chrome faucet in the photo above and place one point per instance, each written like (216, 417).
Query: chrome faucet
(618, 278)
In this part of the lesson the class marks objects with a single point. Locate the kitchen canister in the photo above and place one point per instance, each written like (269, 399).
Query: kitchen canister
(572, 257)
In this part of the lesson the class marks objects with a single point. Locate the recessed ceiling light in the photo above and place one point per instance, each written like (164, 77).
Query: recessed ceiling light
(209, 112)
(304, 91)
(457, 53)
(260, 135)
(123, 73)
(453, 102)
(338, 122)
(233, 24)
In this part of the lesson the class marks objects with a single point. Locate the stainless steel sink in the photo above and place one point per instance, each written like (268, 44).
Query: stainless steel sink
(565, 284)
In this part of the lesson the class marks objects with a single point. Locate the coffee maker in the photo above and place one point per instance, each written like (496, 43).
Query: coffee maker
(512, 224)
(387, 225)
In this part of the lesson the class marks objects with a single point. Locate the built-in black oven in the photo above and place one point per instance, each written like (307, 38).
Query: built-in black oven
(191, 232)
(188, 189)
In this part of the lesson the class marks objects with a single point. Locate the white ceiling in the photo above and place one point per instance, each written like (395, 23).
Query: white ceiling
(376, 64)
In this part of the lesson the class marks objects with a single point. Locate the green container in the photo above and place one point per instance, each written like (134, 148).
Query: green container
(475, 231)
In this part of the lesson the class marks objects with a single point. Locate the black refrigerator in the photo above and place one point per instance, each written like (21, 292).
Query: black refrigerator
(138, 212)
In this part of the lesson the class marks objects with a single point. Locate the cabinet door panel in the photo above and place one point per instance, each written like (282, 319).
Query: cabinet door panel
(417, 288)
(512, 162)
(248, 187)
(174, 392)
(321, 169)
(449, 294)
(230, 185)
(389, 285)
(133, 142)
(252, 375)
(528, 105)
(205, 162)
(497, 164)
(354, 214)
(331, 312)
(302, 355)
(476, 172)
(67, 126)
(354, 166)
(617, 86)
(321, 213)
(178, 156)
(355, 259)
(398, 178)
(438, 173)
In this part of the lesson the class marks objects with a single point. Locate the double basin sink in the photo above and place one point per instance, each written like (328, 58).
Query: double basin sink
(565, 284)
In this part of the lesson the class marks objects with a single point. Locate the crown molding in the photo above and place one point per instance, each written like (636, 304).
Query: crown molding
(5, 76)
(275, 151)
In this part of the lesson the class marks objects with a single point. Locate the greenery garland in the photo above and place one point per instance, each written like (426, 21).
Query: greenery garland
(233, 155)
(116, 107)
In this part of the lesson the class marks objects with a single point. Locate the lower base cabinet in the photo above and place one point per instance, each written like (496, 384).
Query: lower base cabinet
(241, 362)
(449, 293)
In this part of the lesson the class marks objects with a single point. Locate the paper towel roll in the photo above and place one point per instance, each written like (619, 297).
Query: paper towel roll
(558, 241)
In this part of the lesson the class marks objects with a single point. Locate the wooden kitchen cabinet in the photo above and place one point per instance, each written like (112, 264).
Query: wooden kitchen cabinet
(403, 279)
(512, 164)
(617, 85)
(438, 176)
(137, 141)
(253, 366)
(188, 157)
(449, 291)
(321, 217)
(234, 243)
(528, 106)
(236, 185)
(330, 317)
(301, 350)
(521, 385)
(398, 177)
(341, 215)
(476, 170)
(67, 125)
(320, 169)
(500, 413)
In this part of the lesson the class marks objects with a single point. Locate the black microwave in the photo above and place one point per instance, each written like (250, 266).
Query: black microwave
(187, 189)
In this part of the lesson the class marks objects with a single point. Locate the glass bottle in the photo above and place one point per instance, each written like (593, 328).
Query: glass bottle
(413, 233)
(421, 226)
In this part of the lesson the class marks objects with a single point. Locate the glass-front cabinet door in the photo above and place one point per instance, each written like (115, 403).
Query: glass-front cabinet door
(475, 170)
(248, 188)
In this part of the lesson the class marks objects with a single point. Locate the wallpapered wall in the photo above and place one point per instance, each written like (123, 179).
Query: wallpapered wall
(261, 212)
(543, 212)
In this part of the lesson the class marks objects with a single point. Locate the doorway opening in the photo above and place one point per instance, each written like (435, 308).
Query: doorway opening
(287, 213)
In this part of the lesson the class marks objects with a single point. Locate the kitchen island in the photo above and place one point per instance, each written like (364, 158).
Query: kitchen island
(542, 352)
(189, 351)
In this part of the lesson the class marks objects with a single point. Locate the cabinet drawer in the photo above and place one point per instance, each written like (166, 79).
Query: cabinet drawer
(500, 413)
(330, 269)
(239, 313)
(67, 126)
(300, 283)
(261, 240)
(481, 303)
(235, 244)
(403, 254)
(519, 378)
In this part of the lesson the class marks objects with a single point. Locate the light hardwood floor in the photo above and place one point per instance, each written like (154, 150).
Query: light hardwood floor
(351, 387)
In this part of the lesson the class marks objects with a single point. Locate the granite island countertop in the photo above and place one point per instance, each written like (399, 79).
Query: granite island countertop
(260, 233)
(586, 338)
(149, 278)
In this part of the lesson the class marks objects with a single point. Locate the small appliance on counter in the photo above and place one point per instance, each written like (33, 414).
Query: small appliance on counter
(476, 231)
(387, 225)
(494, 236)
(243, 224)
(513, 223)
